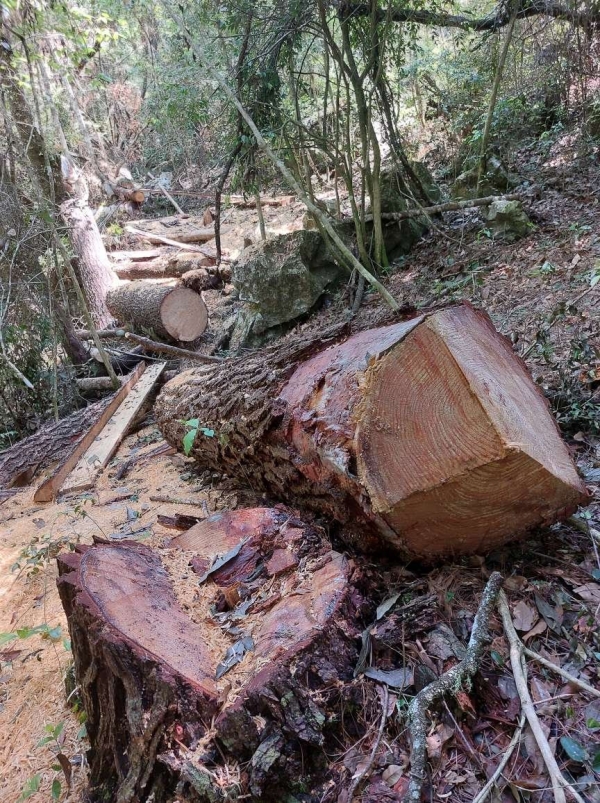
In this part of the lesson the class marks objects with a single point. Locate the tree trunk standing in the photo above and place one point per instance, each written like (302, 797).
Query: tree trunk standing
(172, 312)
(427, 436)
(177, 702)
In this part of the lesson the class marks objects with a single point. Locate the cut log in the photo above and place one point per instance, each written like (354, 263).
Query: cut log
(175, 312)
(105, 444)
(165, 267)
(48, 490)
(89, 384)
(184, 230)
(159, 238)
(200, 279)
(426, 436)
(20, 462)
(184, 686)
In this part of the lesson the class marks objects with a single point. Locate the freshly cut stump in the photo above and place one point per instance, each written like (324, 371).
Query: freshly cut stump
(428, 435)
(203, 688)
(170, 312)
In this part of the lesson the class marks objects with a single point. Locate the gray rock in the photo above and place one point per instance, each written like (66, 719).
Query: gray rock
(507, 220)
(279, 280)
(496, 180)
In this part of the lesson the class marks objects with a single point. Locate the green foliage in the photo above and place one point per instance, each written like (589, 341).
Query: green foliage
(190, 436)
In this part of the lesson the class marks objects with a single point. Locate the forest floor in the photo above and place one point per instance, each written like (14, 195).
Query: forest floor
(539, 291)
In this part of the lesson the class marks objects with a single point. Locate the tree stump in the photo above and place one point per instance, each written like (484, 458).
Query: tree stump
(427, 436)
(170, 312)
(215, 690)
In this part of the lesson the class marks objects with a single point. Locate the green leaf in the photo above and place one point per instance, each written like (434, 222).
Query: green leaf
(56, 789)
(596, 762)
(32, 786)
(573, 749)
(592, 723)
(6, 637)
(194, 423)
(188, 440)
(44, 741)
(210, 433)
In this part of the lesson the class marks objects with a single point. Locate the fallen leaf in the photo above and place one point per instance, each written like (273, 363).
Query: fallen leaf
(536, 630)
(574, 750)
(524, 616)
(392, 774)
(396, 678)
(386, 606)
(552, 616)
(589, 592)
(515, 583)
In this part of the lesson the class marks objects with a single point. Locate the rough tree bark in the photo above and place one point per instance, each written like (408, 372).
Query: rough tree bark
(208, 694)
(171, 312)
(97, 276)
(19, 463)
(427, 436)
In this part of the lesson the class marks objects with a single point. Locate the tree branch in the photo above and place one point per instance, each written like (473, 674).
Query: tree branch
(450, 681)
(491, 22)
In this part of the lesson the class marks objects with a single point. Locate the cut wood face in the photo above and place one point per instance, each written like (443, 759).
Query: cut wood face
(168, 662)
(435, 430)
(184, 314)
(455, 443)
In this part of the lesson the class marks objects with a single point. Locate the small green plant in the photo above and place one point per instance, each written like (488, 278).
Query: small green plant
(193, 425)
(40, 551)
(54, 634)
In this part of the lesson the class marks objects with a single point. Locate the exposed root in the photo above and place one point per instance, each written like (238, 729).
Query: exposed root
(449, 682)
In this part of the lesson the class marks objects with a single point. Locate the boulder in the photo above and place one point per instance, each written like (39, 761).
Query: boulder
(496, 180)
(280, 280)
(507, 220)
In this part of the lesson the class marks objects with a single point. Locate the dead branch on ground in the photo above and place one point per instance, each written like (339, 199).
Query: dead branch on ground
(449, 682)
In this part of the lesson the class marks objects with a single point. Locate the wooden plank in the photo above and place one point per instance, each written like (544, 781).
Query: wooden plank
(47, 491)
(106, 442)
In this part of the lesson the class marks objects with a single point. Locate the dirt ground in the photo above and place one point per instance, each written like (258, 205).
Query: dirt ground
(539, 291)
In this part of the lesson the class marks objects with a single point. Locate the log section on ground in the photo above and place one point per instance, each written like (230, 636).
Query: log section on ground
(428, 434)
(184, 230)
(207, 692)
(20, 462)
(171, 312)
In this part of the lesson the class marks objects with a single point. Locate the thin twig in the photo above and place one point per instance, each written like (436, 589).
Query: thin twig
(481, 796)
(519, 668)
(581, 684)
(367, 768)
(449, 682)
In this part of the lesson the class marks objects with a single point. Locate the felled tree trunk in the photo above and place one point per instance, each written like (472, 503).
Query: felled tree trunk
(170, 312)
(206, 692)
(427, 436)
(19, 463)
(97, 276)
